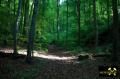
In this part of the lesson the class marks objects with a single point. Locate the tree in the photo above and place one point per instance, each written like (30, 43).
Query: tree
(16, 28)
(32, 31)
(78, 19)
(70, 23)
(95, 23)
(115, 31)
(67, 22)
(58, 3)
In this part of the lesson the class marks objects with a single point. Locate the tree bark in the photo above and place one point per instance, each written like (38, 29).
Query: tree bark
(32, 32)
(16, 28)
(67, 24)
(95, 23)
(58, 2)
(78, 19)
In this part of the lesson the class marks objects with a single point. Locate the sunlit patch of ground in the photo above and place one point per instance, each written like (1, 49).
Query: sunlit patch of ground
(41, 54)
(48, 56)
(54, 57)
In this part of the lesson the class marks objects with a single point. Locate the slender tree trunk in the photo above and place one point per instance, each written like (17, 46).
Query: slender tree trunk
(58, 2)
(78, 19)
(115, 32)
(32, 32)
(9, 8)
(16, 28)
(95, 23)
(67, 24)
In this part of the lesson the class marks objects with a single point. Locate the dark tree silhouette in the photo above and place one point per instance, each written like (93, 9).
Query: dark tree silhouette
(16, 28)
(58, 3)
(32, 32)
(67, 22)
(95, 23)
(78, 16)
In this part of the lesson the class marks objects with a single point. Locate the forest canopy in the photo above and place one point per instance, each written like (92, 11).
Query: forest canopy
(74, 25)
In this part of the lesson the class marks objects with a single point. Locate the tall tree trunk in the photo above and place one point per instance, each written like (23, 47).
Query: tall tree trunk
(115, 32)
(58, 3)
(95, 23)
(78, 19)
(67, 24)
(16, 28)
(32, 32)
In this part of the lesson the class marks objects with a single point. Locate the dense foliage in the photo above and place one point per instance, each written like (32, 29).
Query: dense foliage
(58, 18)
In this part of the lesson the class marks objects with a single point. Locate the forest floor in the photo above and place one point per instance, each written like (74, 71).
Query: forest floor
(51, 66)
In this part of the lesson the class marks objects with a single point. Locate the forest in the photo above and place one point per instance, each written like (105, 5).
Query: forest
(57, 39)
